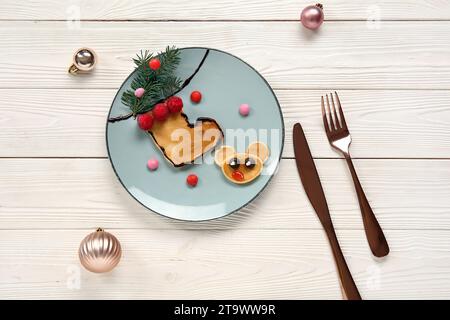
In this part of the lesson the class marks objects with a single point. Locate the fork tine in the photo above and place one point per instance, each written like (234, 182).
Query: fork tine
(336, 118)
(341, 112)
(324, 116)
(332, 124)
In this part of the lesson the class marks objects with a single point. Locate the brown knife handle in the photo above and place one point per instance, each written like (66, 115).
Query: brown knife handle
(374, 233)
(348, 285)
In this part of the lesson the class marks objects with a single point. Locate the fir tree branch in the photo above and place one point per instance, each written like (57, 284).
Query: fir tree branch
(180, 88)
(154, 82)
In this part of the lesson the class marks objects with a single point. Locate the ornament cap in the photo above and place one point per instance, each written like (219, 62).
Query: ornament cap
(319, 5)
(100, 229)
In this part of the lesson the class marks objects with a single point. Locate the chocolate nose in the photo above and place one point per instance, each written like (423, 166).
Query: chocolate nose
(237, 175)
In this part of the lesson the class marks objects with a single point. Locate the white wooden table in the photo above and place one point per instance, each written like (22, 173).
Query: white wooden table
(56, 183)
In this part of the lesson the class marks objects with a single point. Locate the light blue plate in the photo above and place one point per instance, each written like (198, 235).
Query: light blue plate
(225, 82)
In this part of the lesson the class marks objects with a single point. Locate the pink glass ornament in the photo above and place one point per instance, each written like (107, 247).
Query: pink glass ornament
(139, 92)
(153, 164)
(312, 16)
(100, 251)
(244, 109)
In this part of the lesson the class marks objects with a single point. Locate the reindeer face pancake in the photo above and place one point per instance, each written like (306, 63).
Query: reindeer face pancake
(241, 168)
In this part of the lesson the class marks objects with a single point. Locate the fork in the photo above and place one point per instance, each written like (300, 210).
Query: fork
(340, 139)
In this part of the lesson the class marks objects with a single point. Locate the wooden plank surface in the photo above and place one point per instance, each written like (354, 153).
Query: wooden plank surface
(227, 264)
(37, 54)
(73, 193)
(383, 124)
(221, 9)
(389, 60)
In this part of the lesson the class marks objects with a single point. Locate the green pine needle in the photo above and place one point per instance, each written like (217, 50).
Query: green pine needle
(157, 84)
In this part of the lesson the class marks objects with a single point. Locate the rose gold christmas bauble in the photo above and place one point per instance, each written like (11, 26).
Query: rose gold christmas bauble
(100, 251)
(312, 16)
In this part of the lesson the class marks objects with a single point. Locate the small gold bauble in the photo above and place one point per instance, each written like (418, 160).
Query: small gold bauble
(85, 58)
(100, 251)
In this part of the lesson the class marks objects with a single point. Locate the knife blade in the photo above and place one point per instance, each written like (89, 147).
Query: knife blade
(309, 176)
(313, 188)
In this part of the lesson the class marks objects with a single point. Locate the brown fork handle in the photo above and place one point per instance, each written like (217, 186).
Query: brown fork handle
(349, 289)
(374, 234)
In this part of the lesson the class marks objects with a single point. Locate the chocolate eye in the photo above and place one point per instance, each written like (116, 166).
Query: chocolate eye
(234, 163)
(250, 163)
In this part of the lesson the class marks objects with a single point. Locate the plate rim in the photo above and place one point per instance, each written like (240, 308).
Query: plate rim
(249, 201)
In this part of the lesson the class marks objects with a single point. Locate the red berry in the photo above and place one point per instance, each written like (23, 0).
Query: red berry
(175, 104)
(145, 121)
(192, 180)
(196, 96)
(154, 64)
(160, 112)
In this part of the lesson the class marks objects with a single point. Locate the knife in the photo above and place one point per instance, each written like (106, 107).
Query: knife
(313, 188)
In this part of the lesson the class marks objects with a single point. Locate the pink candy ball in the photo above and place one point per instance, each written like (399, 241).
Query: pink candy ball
(139, 92)
(244, 109)
(153, 164)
